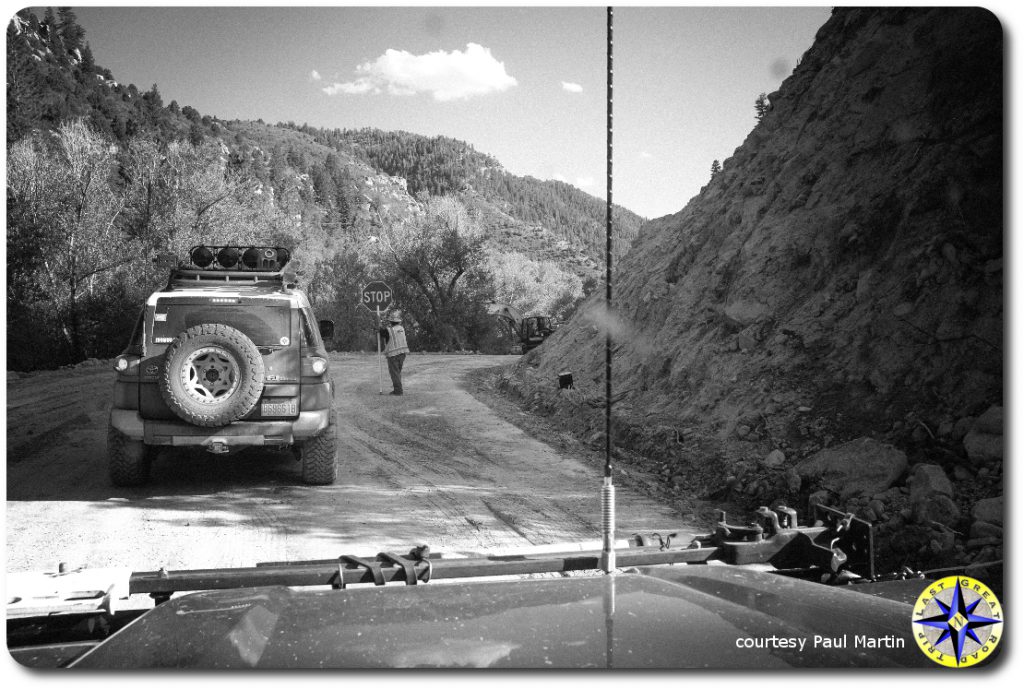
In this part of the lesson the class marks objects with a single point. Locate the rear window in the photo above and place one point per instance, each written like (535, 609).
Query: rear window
(265, 325)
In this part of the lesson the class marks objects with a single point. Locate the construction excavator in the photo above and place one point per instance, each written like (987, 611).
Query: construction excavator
(530, 331)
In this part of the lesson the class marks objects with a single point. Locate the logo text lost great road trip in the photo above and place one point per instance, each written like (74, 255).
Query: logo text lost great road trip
(957, 621)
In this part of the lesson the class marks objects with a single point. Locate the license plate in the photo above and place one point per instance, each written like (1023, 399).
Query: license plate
(278, 408)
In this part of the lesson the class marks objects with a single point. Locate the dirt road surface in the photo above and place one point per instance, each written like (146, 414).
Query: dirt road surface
(436, 466)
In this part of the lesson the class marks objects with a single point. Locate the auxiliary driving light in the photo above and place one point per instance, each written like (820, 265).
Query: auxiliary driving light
(121, 365)
(319, 366)
(201, 256)
(228, 257)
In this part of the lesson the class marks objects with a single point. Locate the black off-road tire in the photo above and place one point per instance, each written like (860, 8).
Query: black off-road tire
(204, 402)
(319, 457)
(129, 460)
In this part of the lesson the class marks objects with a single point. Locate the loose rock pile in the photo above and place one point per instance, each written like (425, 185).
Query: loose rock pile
(928, 513)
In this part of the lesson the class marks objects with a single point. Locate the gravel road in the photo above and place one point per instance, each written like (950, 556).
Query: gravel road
(436, 466)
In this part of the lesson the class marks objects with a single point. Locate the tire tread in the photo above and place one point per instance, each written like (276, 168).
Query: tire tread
(129, 460)
(319, 456)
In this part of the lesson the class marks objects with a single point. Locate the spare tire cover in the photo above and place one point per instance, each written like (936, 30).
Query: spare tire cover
(212, 375)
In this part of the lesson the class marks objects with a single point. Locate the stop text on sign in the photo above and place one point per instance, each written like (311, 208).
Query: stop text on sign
(377, 296)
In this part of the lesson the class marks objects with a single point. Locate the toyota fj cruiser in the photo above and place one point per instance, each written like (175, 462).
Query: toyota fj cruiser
(226, 356)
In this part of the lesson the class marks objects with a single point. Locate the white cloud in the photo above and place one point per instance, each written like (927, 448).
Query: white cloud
(571, 87)
(645, 155)
(315, 75)
(584, 182)
(445, 75)
(356, 87)
(560, 178)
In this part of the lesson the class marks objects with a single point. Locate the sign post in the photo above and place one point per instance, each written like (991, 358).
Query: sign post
(380, 360)
(377, 297)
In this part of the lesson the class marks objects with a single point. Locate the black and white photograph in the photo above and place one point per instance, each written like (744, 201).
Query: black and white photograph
(496, 338)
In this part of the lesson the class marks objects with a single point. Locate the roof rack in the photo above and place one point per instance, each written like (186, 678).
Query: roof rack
(182, 276)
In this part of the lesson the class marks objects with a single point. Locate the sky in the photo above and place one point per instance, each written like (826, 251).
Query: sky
(523, 84)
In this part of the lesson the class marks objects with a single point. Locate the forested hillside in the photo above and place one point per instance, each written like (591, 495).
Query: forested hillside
(52, 77)
(102, 176)
(441, 165)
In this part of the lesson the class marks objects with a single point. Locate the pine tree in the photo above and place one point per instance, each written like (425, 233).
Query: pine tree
(88, 61)
(716, 167)
(70, 31)
(761, 106)
(152, 97)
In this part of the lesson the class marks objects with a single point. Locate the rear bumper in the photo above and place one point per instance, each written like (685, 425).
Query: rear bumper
(239, 434)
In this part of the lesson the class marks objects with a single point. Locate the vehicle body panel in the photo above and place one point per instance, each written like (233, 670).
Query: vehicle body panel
(664, 617)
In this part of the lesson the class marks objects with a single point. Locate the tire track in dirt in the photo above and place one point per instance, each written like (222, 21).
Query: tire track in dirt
(420, 432)
(425, 493)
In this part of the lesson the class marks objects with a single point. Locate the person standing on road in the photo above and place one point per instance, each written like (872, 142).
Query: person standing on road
(395, 349)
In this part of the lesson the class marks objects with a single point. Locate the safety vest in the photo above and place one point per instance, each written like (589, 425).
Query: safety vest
(396, 341)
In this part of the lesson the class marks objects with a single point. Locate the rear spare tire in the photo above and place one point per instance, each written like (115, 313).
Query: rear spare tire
(318, 455)
(212, 375)
(129, 460)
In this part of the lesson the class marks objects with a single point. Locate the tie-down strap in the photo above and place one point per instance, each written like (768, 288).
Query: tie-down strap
(374, 567)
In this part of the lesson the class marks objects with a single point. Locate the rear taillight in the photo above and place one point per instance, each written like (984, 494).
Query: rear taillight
(127, 364)
(314, 366)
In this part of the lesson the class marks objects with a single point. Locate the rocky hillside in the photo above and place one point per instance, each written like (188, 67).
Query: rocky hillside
(824, 322)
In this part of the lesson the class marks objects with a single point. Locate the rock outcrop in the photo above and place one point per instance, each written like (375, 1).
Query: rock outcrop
(842, 277)
(859, 467)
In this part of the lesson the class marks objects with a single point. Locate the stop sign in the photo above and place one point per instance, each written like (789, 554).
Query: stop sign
(377, 297)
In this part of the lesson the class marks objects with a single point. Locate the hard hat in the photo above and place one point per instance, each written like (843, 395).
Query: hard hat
(395, 317)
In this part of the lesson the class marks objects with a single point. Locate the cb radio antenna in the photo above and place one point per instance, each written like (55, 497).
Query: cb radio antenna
(608, 490)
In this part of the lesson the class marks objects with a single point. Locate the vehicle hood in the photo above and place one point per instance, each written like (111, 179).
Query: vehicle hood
(662, 617)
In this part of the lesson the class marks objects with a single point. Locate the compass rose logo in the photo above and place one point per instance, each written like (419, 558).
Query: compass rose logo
(957, 621)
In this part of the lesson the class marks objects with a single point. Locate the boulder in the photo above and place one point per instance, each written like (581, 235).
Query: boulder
(983, 447)
(981, 529)
(937, 508)
(990, 422)
(929, 479)
(989, 510)
(984, 442)
(775, 458)
(860, 466)
(745, 312)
